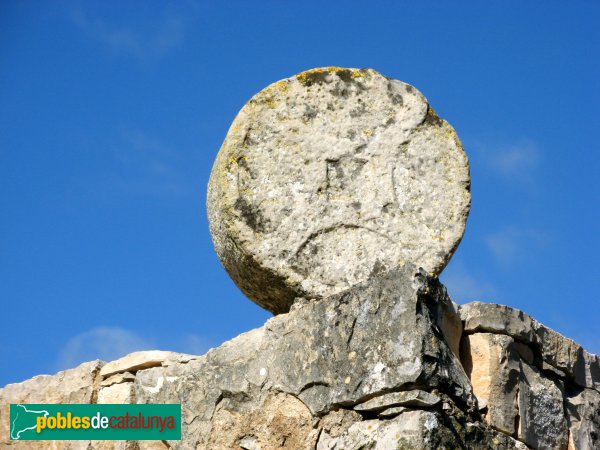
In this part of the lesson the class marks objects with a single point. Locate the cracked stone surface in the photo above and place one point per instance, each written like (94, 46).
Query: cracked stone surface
(329, 176)
(374, 366)
(556, 353)
(530, 381)
(583, 407)
(542, 422)
(142, 360)
(77, 385)
(414, 397)
(492, 363)
(281, 421)
(417, 429)
(377, 337)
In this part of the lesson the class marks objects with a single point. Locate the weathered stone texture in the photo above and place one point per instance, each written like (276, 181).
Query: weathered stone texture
(329, 176)
(583, 416)
(281, 421)
(371, 367)
(492, 363)
(555, 352)
(415, 397)
(412, 429)
(78, 385)
(143, 360)
(418, 429)
(335, 197)
(542, 422)
(378, 337)
(116, 393)
(499, 319)
(529, 376)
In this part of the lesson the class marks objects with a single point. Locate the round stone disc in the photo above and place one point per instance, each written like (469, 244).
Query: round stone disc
(330, 176)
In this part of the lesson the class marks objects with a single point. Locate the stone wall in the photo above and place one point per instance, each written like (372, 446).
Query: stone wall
(530, 381)
(390, 363)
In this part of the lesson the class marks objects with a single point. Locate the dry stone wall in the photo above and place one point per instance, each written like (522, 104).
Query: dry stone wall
(530, 381)
(371, 367)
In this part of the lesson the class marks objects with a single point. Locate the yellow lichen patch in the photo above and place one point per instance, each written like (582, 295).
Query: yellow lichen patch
(236, 127)
(231, 162)
(305, 77)
(431, 112)
(358, 73)
(368, 132)
(250, 105)
(271, 95)
(270, 101)
(454, 137)
(282, 86)
(434, 342)
(330, 69)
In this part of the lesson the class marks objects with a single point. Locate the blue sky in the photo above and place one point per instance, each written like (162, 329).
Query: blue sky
(112, 114)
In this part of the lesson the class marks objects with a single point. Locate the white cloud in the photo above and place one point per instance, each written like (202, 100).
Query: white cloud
(133, 39)
(146, 166)
(464, 287)
(195, 345)
(517, 160)
(514, 162)
(510, 244)
(106, 343)
(110, 343)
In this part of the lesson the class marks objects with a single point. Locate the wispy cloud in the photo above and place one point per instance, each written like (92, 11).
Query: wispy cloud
(195, 344)
(144, 165)
(517, 160)
(512, 243)
(152, 40)
(110, 343)
(514, 162)
(464, 287)
(106, 343)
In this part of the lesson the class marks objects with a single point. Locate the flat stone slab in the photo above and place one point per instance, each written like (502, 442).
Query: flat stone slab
(329, 176)
(143, 360)
(415, 397)
(118, 378)
(561, 355)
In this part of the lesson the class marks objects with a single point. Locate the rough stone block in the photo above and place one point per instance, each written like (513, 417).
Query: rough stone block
(566, 358)
(583, 416)
(117, 393)
(492, 363)
(377, 337)
(542, 423)
(76, 385)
